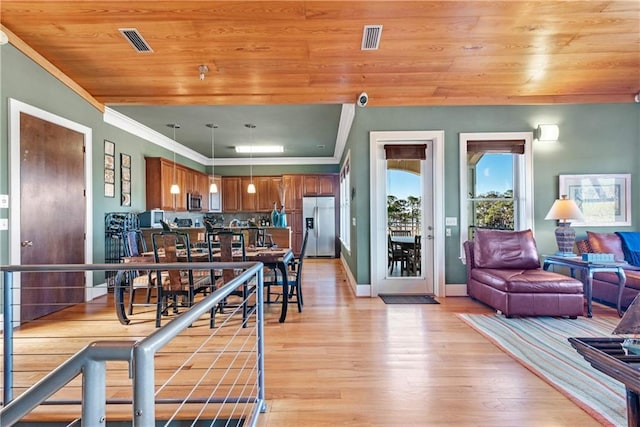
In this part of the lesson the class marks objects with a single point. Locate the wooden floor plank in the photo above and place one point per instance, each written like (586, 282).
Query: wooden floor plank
(355, 361)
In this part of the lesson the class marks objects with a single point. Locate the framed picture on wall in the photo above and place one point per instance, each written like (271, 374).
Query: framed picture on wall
(109, 148)
(125, 179)
(604, 199)
(109, 190)
(109, 168)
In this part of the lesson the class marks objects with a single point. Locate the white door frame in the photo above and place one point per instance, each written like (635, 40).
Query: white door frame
(378, 203)
(15, 108)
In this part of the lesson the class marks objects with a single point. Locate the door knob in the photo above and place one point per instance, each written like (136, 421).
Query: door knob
(26, 243)
(429, 237)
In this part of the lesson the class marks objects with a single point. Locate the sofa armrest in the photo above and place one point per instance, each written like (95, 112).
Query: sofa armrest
(468, 252)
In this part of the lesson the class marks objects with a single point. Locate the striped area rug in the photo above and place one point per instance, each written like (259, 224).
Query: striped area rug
(540, 344)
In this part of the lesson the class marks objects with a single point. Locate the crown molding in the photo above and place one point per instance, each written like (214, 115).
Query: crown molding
(127, 124)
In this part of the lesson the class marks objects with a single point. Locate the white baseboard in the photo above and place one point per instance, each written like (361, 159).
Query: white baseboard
(455, 290)
(364, 290)
(96, 291)
(359, 289)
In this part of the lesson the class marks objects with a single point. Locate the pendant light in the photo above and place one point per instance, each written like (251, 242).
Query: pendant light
(213, 188)
(175, 188)
(251, 189)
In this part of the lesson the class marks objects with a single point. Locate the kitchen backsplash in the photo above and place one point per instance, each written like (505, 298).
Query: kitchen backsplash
(240, 219)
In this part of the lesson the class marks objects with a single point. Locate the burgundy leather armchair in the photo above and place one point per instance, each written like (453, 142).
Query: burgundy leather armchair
(503, 271)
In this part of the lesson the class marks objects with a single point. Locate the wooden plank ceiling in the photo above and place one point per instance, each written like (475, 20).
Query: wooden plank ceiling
(308, 52)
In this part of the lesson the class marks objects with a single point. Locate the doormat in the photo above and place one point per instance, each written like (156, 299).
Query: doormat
(408, 299)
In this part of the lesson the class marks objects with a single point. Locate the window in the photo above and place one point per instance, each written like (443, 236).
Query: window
(345, 203)
(496, 178)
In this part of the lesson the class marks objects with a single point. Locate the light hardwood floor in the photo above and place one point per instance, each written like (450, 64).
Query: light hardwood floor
(347, 361)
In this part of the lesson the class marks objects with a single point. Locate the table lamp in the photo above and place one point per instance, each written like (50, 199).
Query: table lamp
(564, 210)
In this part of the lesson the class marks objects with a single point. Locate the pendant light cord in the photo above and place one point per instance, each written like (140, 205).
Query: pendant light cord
(174, 155)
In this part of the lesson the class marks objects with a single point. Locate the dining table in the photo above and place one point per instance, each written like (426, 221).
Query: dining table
(272, 257)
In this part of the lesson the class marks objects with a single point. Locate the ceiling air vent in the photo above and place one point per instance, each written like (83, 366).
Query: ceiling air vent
(135, 38)
(371, 37)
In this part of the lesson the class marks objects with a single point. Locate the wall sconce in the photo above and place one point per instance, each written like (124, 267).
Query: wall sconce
(547, 133)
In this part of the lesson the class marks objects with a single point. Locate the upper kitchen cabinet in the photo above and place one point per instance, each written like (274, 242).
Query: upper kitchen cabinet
(159, 178)
(248, 201)
(215, 199)
(231, 194)
(318, 185)
(267, 192)
(293, 197)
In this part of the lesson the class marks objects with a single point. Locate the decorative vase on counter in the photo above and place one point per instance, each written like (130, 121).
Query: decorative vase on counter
(275, 216)
(282, 218)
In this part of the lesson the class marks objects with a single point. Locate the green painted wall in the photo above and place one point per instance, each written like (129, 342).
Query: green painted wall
(274, 170)
(602, 138)
(23, 80)
(593, 139)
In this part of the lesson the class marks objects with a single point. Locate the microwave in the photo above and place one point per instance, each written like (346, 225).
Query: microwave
(151, 219)
(194, 202)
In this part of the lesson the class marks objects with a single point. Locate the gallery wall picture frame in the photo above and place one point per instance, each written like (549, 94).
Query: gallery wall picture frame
(604, 199)
(109, 147)
(109, 168)
(125, 179)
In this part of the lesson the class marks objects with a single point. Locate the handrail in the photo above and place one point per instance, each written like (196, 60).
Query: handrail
(90, 361)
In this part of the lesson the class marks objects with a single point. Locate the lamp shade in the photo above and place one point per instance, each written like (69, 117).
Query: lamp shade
(548, 132)
(564, 209)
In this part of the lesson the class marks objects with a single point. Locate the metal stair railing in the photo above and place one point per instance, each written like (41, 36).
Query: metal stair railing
(140, 355)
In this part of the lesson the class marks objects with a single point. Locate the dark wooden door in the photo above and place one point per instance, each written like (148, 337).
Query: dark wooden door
(52, 214)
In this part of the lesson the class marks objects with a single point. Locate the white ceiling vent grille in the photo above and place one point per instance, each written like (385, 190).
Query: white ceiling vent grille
(371, 37)
(135, 38)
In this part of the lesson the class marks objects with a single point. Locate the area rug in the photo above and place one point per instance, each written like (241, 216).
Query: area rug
(540, 344)
(408, 299)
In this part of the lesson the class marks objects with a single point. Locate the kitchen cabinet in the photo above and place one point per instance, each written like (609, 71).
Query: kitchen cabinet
(231, 194)
(297, 231)
(159, 178)
(215, 199)
(319, 185)
(267, 192)
(293, 198)
(201, 187)
(248, 201)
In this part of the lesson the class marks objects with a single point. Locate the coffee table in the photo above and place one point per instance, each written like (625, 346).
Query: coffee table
(588, 269)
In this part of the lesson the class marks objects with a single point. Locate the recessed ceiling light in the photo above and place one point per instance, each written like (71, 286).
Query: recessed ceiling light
(259, 149)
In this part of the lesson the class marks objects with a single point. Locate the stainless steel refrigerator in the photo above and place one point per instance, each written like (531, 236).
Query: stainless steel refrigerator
(319, 216)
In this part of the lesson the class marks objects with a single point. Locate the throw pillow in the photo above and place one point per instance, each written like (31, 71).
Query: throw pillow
(505, 249)
(606, 243)
(583, 246)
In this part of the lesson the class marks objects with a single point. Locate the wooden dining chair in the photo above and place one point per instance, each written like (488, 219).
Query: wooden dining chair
(177, 287)
(134, 246)
(231, 248)
(294, 278)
